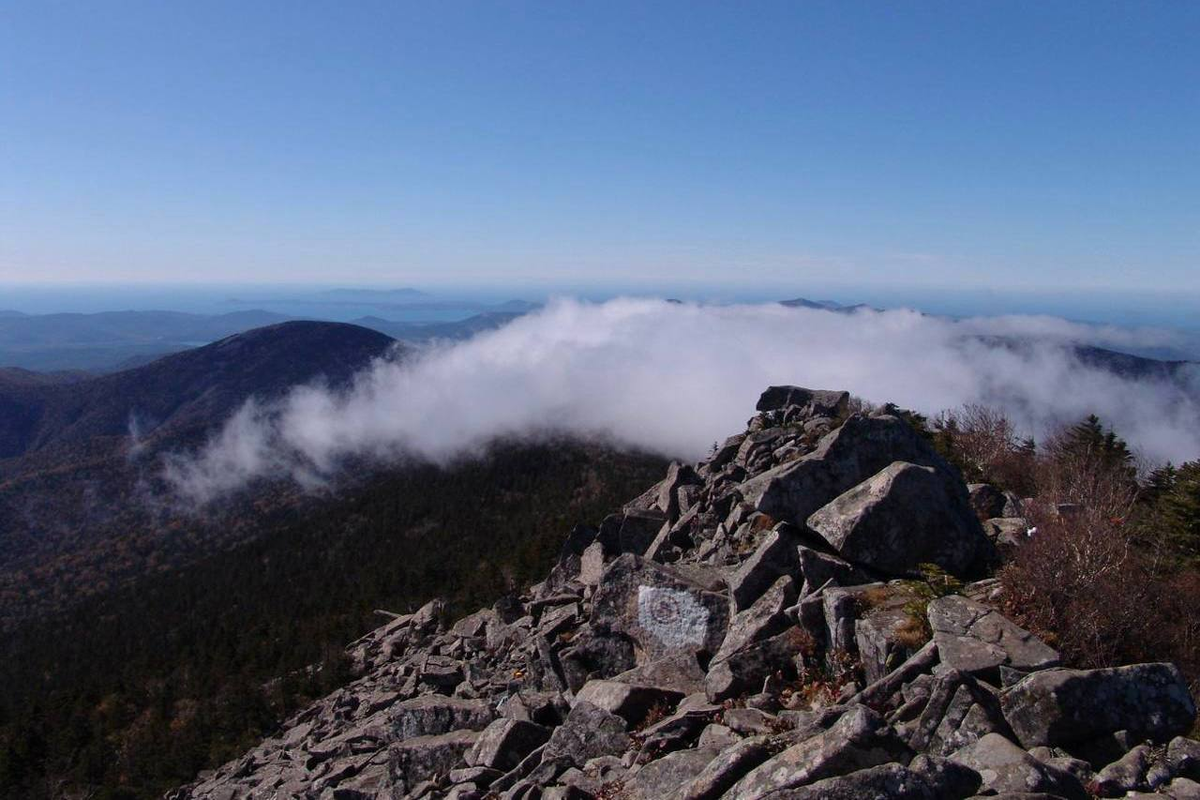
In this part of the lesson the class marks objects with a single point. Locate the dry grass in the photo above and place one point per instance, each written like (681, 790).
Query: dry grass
(914, 632)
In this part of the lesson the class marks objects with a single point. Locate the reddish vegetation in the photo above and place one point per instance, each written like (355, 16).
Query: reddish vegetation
(1103, 577)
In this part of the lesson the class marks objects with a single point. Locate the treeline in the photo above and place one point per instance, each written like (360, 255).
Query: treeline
(139, 689)
(1109, 572)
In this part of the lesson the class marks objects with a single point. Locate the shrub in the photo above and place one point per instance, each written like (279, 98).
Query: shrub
(982, 442)
(1083, 583)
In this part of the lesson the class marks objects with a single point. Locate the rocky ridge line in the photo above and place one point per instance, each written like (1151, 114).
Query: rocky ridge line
(763, 624)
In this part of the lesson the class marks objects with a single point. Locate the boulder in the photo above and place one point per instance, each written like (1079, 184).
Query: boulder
(903, 516)
(662, 610)
(630, 702)
(505, 742)
(986, 500)
(422, 757)
(891, 781)
(958, 712)
(1126, 774)
(632, 531)
(745, 670)
(839, 610)
(1183, 756)
(1014, 506)
(591, 564)
(434, 714)
(679, 674)
(595, 654)
(949, 778)
(858, 740)
(1181, 789)
(1004, 767)
(820, 569)
(662, 777)
(978, 639)
(889, 629)
(727, 768)
(429, 617)
(776, 556)
(811, 402)
(1006, 534)
(588, 732)
(843, 458)
(474, 625)
(680, 730)
(1061, 707)
(763, 619)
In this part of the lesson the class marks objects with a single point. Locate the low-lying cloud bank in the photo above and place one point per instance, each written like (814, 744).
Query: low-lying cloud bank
(674, 378)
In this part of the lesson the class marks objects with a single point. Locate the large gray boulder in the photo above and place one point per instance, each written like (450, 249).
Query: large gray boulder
(416, 759)
(777, 555)
(977, 639)
(434, 714)
(807, 402)
(843, 458)
(680, 673)
(745, 670)
(858, 740)
(505, 742)
(727, 768)
(1004, 767)
(760, 621)
(663, 777)
(1126, 774)
(628, 701)
(1061, 707)
(664, 611)
(588, 732)
(902, 516)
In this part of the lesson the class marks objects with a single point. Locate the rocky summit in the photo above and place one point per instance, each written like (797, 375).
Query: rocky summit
(805, 614)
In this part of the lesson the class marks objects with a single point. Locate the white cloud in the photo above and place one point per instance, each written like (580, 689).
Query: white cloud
(673, 378)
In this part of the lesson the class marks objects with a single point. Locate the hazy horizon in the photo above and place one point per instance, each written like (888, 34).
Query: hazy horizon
(1094, 306)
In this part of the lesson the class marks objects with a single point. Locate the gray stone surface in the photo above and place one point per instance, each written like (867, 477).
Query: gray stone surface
(978, 639)
(1060, 707)
(858, 449)
(503, 744)
(1005, 767)
(860, 739)
(661, 609)
(588, 732)
(903, 516)
(629, 701)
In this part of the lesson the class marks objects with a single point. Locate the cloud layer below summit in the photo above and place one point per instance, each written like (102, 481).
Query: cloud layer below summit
(674, 378)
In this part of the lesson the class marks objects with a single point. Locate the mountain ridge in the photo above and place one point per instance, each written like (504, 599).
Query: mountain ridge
(178, 389)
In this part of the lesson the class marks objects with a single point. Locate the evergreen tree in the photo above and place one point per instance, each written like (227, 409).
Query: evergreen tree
(1158, 483)
(1089, 441)
(1180, 507)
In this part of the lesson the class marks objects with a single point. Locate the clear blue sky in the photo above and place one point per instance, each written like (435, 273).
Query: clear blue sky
(1007, 144)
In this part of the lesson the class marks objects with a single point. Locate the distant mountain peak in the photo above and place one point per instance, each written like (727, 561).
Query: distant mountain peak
(823, 305)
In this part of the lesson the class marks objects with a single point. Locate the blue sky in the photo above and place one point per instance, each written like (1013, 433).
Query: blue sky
(1018, 146)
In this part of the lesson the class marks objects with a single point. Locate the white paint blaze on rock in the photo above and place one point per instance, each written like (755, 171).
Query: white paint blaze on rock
(673, 616)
